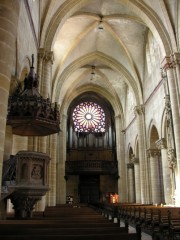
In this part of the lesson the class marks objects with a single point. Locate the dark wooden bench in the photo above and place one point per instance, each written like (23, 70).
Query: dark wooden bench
(61, 224)
(114, 236)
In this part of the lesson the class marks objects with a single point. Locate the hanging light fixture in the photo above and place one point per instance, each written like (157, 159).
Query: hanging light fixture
(29, 113)
(93, 73)
(100, 26)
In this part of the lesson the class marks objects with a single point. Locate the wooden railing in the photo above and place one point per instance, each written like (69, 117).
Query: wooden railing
(95, 166)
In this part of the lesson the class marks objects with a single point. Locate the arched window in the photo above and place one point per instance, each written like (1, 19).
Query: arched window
(89, 117)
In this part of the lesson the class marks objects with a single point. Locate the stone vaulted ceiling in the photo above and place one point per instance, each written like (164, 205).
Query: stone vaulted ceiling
(96, 43)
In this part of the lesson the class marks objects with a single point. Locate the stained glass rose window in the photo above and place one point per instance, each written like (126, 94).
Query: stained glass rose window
(89, 117)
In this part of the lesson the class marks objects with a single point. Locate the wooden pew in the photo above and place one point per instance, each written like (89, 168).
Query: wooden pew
(124, 236)
(61, 224)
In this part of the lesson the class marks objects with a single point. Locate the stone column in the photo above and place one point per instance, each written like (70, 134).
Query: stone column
(131, 190)
(61, 158)
(52, 171)
(135, 161)
(8, 33)
(122, 184)
(144, 181)
(41, 55)
(45, 87)
(19, 144)
(33, 141)
(154, 155)
(161, 144)
(47, 72)
(171, 67)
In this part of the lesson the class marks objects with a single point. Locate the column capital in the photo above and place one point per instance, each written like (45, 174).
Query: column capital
(134, 159)
(139, 109)
(175, 59)
(167, 63)
(41, 53)
(49, 57)
(130, 165)
(118, 116)
(153, 152)
(171, 61)
(161, 143)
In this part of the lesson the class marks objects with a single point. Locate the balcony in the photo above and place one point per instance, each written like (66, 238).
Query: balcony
(91, 167)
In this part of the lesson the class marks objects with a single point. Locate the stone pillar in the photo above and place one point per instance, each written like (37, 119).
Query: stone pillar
(135, 161)
(32, 143)
(44, 70)
(41, 55)
(154, 155)
(131, 190)
(122, 183)
(19, 143)
(171, 67)
(47, 72)
(52, 171)
(61, 158)
(144, 181)
(8, 33)
(167, 180)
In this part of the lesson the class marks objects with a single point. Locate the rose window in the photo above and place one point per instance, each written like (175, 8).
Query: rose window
(89, 117)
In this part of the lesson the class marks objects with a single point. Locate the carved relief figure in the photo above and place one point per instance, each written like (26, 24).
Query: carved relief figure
(36, 172)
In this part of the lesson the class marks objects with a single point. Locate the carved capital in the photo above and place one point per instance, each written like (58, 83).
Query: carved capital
(139, 110)
(49, 57)
(134, 159)
(130, 165)
(167, 63)
(161, 143)
(153, 153)
(118, 117)
(171, 61)
(175, 59)
(41, 53)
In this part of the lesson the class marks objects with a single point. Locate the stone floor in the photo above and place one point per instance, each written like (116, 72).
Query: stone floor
(144, 236)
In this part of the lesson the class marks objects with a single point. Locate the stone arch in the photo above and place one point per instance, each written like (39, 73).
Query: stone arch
(24, 68)
(136, 147)
(130, 153)
(115, 103)
(152, 132)
(154, 136)
(106, 60)
(17, 81)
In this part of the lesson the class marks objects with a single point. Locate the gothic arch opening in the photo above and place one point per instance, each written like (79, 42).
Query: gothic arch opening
(155, 168)
(91, 165)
